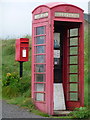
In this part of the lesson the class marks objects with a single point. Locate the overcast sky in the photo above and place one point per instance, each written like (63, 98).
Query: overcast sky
(16, 15)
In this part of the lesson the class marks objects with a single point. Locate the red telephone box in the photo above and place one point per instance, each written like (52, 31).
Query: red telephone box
(57, 57)
(22, 46)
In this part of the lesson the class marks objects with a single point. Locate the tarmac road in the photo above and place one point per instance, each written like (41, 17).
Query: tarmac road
(13, 111)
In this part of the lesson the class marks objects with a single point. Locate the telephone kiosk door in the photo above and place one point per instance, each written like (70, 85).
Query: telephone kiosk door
(59, 102)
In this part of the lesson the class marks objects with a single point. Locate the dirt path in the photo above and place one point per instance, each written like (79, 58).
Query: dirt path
(13, 111)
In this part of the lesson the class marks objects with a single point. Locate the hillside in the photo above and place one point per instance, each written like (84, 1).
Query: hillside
(11, 67)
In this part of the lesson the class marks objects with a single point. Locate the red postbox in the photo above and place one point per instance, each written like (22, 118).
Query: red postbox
(22, 49)
(57, 57)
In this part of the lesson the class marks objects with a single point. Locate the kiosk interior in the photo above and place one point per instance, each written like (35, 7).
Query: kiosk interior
(61, 30)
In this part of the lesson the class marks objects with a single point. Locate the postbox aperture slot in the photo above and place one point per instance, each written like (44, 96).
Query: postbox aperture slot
(24, 42)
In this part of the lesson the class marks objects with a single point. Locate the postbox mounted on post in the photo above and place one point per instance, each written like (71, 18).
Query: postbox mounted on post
(57, 57)
(22, 46)
(21, 53)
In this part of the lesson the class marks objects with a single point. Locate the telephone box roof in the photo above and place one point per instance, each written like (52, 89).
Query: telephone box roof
(54, 4)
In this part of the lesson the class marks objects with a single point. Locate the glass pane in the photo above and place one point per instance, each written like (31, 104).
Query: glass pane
(40, 30)
(73, 59)
(74, 32)
(40, 96)
(73, 41)
(39, 87)
(39, 68)
(73, 87)
(74, 96)
(40, 40)
(40, 59)
(40, 78)
(73, 78)
(73, 50)
(40, 49)
(73, 69)
(56, 40)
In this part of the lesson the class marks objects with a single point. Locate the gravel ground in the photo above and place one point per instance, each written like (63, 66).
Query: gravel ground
(13, 111)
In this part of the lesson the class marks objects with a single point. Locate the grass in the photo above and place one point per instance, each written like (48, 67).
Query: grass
(22, 97)
(0, 69)
(86, 68)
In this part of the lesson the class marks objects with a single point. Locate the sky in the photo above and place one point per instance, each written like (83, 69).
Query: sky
(16, 15)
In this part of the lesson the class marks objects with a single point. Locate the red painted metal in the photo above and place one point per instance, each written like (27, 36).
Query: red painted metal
(21, 44)
(47, 105)
(55, 4)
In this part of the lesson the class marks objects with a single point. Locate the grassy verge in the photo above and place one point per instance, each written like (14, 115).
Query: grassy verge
(0, 70)
(26, 102)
